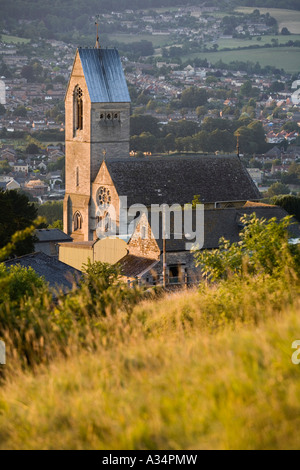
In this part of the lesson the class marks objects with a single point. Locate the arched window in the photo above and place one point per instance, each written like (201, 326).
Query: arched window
(78, 109)
(77, 221)
(105, 223)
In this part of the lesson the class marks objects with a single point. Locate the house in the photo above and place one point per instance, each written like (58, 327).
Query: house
(48, 239)
(36, 187)
(144, 261)
(256, 174)
(21, 168)
(57, 274)
(9, 185)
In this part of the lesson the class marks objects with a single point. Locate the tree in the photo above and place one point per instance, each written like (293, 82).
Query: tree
(291, 126)
(285, 32)
(289, 203)
(32, 149)
(277, 189)
(293, 174)
(193, 97)
(181, 128)
(16, 214)
(51, 211)
(201, 111)
(246, 89)
(57, 224)
(17, 282)
(141, 123)
(276, 87)
(2, 110)
(20, 111)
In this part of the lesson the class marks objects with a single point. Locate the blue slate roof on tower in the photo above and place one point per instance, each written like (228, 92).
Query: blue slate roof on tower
(104, 75)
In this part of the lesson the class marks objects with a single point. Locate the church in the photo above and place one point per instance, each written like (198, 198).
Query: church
(100, 172)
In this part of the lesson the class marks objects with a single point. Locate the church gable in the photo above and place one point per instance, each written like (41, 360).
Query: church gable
(78, 105)
(77, 74)
(104, 193)
(142, 242)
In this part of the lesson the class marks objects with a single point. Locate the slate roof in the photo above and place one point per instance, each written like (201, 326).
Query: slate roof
(176, 180)
(226, 223)
(56, 273)
(52, 235)
(104, 75)
(133, 266)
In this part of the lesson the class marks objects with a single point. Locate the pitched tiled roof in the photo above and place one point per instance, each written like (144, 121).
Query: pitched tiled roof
(104, 75)
(176, 180)
(52, 235)
(56, 273)
(133, 266)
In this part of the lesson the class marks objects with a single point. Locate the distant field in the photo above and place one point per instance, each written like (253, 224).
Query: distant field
(281, 57)
(235, 43)
(157, 41)
(286, 18)
(14, 39)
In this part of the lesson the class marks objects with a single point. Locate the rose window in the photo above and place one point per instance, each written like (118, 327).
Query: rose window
(103, 197)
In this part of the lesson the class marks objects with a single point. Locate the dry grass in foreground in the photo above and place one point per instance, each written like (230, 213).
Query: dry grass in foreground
(168, 381)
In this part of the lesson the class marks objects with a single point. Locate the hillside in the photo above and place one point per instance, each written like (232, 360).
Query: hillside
(172, 383)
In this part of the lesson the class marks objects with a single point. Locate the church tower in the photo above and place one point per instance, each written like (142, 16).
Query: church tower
(97, 108)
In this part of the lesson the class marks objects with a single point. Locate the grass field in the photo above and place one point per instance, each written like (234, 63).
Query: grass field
(176, 387)
(286, 18)
(286, 58)
(14, 39)
(235, 43)
(157, 41)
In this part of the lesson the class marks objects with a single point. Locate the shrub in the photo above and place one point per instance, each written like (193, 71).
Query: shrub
(263, 249)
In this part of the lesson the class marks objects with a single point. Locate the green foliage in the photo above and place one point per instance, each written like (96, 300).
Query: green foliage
(52, 211)
(32, 149)
(277, 189)
(196, 201)
(193, 97)
(18, 239)
(17, 282)
(290, 126)
(293, 174)
(263, 249)
(4, 167)
(20, 111)
(2, 110)
(252, 137)
(57, 224)
(141, 123)
(16, 214)
(107, 290)
(289, 203)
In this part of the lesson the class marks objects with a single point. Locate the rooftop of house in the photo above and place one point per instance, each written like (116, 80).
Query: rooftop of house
(59, 275)
(133, 266)
(52, 235)
(176, 180)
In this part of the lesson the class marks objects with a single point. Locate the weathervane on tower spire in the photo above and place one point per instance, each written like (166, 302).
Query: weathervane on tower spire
(97, 46)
